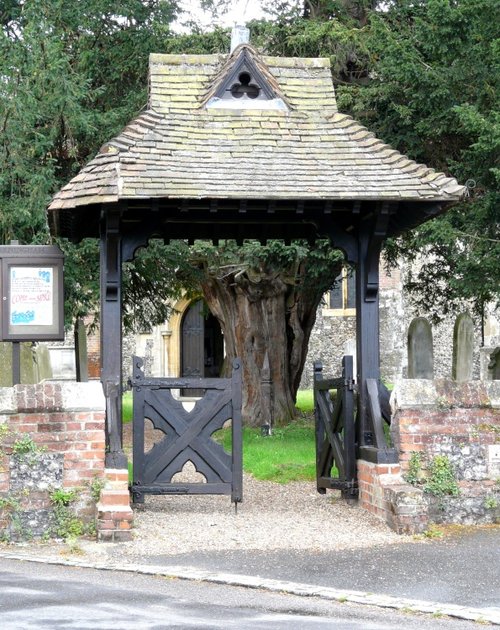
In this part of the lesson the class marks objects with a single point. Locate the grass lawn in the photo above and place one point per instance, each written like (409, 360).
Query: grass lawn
(286, 455)
(127, 407)
(305, 400)
(305, 403)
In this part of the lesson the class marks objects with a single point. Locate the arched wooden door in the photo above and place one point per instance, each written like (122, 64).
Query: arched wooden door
(202, 347)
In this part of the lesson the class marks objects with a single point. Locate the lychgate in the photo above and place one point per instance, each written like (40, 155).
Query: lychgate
(247, 146)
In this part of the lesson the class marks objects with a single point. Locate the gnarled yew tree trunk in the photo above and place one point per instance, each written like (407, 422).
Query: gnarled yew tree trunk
(261, 312)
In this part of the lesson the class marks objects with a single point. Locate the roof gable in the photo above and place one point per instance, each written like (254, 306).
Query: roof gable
(245, 81)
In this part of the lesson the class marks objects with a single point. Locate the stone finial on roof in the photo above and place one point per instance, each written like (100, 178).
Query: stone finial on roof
(239, 35)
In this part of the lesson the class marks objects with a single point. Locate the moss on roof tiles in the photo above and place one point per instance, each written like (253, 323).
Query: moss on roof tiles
(179, 148)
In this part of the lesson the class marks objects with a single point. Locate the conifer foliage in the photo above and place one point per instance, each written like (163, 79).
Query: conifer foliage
(423, 75)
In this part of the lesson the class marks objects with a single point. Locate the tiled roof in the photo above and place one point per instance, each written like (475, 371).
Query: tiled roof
(179, 148)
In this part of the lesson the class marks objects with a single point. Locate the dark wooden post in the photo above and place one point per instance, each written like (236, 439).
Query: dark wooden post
(111, 335)
(367, 335)
(237, 434)
(319, 427)
(370, 241)
(350, 492)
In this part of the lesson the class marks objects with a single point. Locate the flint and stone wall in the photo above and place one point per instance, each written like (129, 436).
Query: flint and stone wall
(334, 335)
(458, 421)
(51, 438)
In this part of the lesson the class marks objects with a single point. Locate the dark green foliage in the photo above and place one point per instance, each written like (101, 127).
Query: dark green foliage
(213, 42)
(414, 472)
(442, 480)
(295, 263)
(81, 278)
(424, 76)
(67, 524)
(73, 74)
(434, 94)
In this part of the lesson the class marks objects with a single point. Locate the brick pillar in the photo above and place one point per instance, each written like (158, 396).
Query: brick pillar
(114, 514)
(383, 492)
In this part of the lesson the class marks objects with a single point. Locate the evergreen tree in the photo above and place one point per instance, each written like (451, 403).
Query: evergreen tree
(422, 75)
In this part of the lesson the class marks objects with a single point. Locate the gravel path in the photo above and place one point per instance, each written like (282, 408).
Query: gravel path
(271, 517)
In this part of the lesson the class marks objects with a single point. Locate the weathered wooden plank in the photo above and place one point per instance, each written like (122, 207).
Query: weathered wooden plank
(335, 432)
(187, 435)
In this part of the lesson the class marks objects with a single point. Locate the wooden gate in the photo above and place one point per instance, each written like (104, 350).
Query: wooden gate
(188, 434)
(335, 431)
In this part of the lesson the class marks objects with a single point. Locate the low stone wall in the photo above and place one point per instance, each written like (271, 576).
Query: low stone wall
(448, 438)
(52, 446)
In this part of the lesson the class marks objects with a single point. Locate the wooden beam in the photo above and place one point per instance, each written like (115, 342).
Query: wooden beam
(111, 333)
(376, 240)
(367, 320)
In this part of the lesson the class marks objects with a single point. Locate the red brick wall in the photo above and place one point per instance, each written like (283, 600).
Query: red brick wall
(371, 494)
(460, 421)
(94, 354)
(430, 415)
(390, 280)
(65, 423)
(383, 492)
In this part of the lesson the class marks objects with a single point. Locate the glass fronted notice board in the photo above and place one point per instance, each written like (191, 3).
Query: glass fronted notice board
(32, 300)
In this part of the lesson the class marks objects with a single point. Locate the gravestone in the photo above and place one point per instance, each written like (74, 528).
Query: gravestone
(43, 367)
(35, 363)
(62, 361)
(81, 358)
(28, 366)
(494, 365)
(350, 351)
(420, 349)
(463, 348)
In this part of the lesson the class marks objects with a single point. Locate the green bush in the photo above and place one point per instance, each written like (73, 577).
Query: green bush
(442, 479)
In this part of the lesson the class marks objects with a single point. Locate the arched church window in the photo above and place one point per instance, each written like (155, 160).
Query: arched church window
(342, 296)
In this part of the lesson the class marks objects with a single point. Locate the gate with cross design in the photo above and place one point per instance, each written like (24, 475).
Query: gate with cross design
(188, 435)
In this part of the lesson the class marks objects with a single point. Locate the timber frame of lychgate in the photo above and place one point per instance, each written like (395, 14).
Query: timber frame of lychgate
(200, 164)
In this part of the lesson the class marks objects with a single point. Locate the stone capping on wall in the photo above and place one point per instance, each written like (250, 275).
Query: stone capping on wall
(52, 396)
(444, 393)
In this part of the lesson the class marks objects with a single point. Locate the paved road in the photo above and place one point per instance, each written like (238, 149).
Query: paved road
(463, 569)
(36, 596)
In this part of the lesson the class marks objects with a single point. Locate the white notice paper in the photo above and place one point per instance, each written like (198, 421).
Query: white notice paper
(31, 296)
